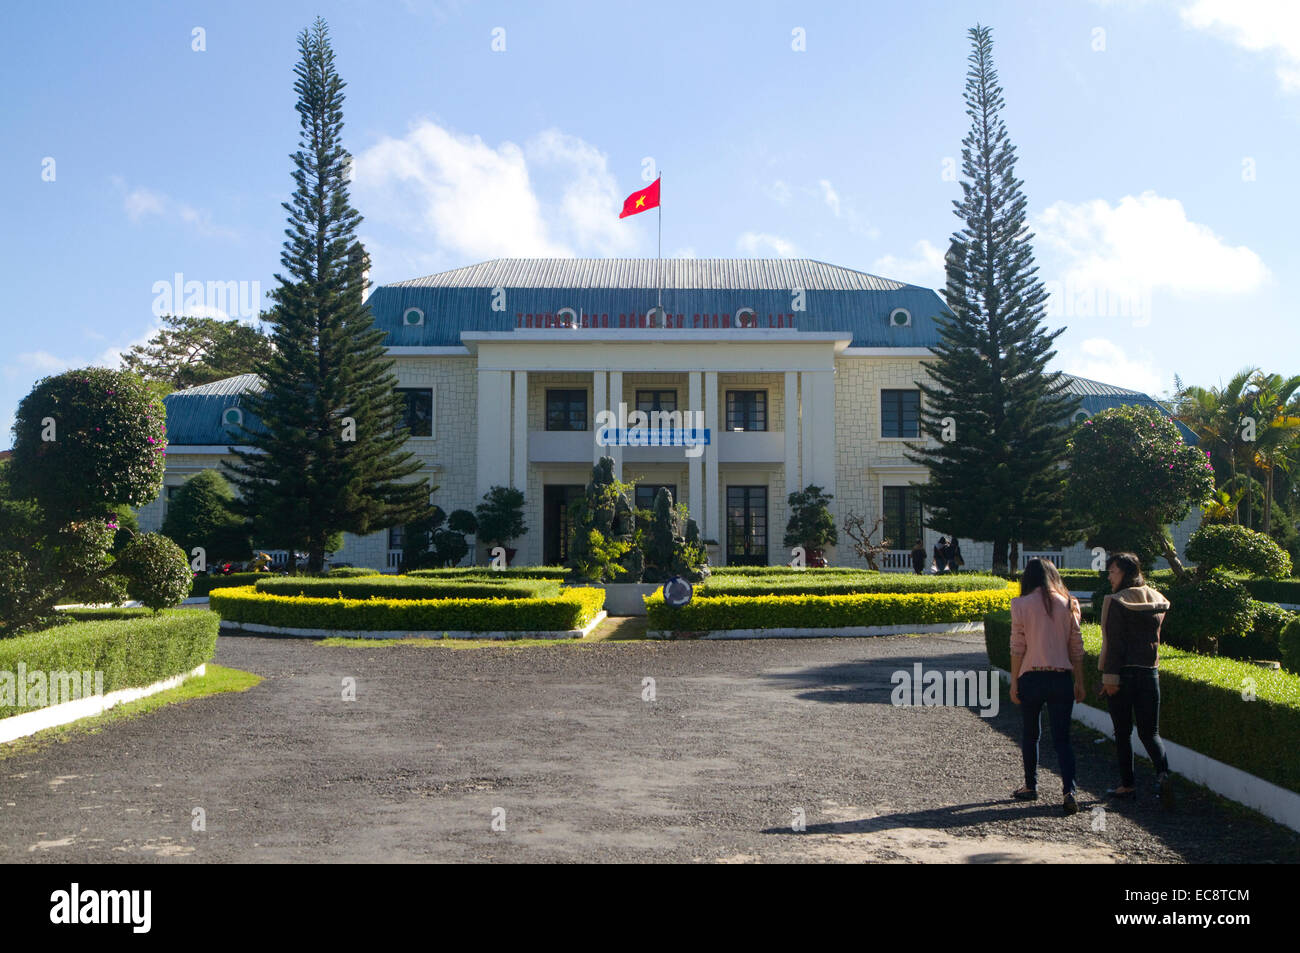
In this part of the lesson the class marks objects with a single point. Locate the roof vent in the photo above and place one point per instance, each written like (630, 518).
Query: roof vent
(655, 318)
(746, 318)
(900, 318)
(232, 417)
(412, 317)
(568, 317)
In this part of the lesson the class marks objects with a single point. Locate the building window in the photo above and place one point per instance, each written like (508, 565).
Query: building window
(646, 492)
(652, 400)
(900, 413)
(902, 516)
(396, 537)
(168, 493)
(417, 411)
(566, 410)
(746, 410)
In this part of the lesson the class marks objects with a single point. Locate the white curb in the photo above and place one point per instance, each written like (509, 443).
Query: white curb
(854, 631)
(28, 723)
(257, 628)
(1271, 800)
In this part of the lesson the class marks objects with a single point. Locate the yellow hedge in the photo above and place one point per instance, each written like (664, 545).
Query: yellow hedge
(826, 612)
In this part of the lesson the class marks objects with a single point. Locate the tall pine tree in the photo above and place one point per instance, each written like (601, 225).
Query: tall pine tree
(331, 458)
(995, 473)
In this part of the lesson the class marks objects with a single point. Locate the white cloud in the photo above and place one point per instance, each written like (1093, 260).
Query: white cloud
(830, 196)
(925, 267)
(1101, 359)
(778, 192)
(761, 244)
(1144, 243)
(1258, 26)
(141, 204)
(474, 201)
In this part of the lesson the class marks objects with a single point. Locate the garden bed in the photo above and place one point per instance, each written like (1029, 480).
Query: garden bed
(571, 610)
(407, 587)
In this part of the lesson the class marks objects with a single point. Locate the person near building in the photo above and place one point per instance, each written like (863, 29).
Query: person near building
(941, 555)
(1131, 618)
(918, 557)
(1046, 670)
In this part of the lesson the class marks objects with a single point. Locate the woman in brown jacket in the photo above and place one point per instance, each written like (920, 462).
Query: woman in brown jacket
(1131, 617)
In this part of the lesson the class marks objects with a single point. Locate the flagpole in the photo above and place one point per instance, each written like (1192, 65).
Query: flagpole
(659, 269)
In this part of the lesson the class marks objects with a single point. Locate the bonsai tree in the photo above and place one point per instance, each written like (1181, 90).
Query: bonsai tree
(1130, 476)
(501, 518)
(604, 540)
(199, 515)
(811, 524)
(427, 544)
(86, 442)
(667, 550)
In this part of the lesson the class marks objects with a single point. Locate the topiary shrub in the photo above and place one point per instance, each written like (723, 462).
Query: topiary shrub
(156, 571)
(1262, 641)
(1206, 611)
(1240, 549)
(1289, 645)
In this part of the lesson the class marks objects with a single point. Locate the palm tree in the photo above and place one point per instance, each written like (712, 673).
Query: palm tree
(1216, 416)
(1277, 429)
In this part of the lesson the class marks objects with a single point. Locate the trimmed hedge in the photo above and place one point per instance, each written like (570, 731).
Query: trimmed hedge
(824, 612)
(778, 570)
(131, 652)
(477, 572)
(1272, 590)
(1201, 704)
(348, 572)
(571, 609)
(403, 587)
(205, 584)
(841, 584)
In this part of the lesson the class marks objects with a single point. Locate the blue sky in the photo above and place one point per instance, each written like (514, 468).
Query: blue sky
(1158, 143)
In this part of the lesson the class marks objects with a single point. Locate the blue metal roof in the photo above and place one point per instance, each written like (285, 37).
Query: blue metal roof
(194, 415)
(1094, 397)
(834, 298)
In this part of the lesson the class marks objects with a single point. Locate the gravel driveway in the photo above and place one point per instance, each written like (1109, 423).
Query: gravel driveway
(558, 746)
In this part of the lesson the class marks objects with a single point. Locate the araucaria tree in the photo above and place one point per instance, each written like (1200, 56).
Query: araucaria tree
(999, 419)
(331, 458)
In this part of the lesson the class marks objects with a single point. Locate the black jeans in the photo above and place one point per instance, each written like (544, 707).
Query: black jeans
(1138, 699)
(1056, 691)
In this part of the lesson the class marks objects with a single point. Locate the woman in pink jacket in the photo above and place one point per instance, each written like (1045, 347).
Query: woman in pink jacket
(1046, 669)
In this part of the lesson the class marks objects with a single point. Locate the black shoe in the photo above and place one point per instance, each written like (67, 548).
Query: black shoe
(1119, 795)
(1070, 806)
(1165, 792)
(1025, 794)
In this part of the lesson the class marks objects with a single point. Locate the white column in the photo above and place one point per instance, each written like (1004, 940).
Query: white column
(792, 481)
(819, 392)
(712, 507)
(519, 478)
(493, 464)
(615, 398)
(598, 403)
(807, 424)
(695, 465)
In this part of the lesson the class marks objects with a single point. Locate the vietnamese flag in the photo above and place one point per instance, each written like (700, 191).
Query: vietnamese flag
(642, 201)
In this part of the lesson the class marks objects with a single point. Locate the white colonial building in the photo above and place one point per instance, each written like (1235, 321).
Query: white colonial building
(787, 373)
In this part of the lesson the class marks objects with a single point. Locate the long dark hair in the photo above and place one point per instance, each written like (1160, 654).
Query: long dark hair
(1041, 574)
(1130, 566)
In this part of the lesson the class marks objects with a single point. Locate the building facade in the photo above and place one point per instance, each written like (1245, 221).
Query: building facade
(756, 378)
